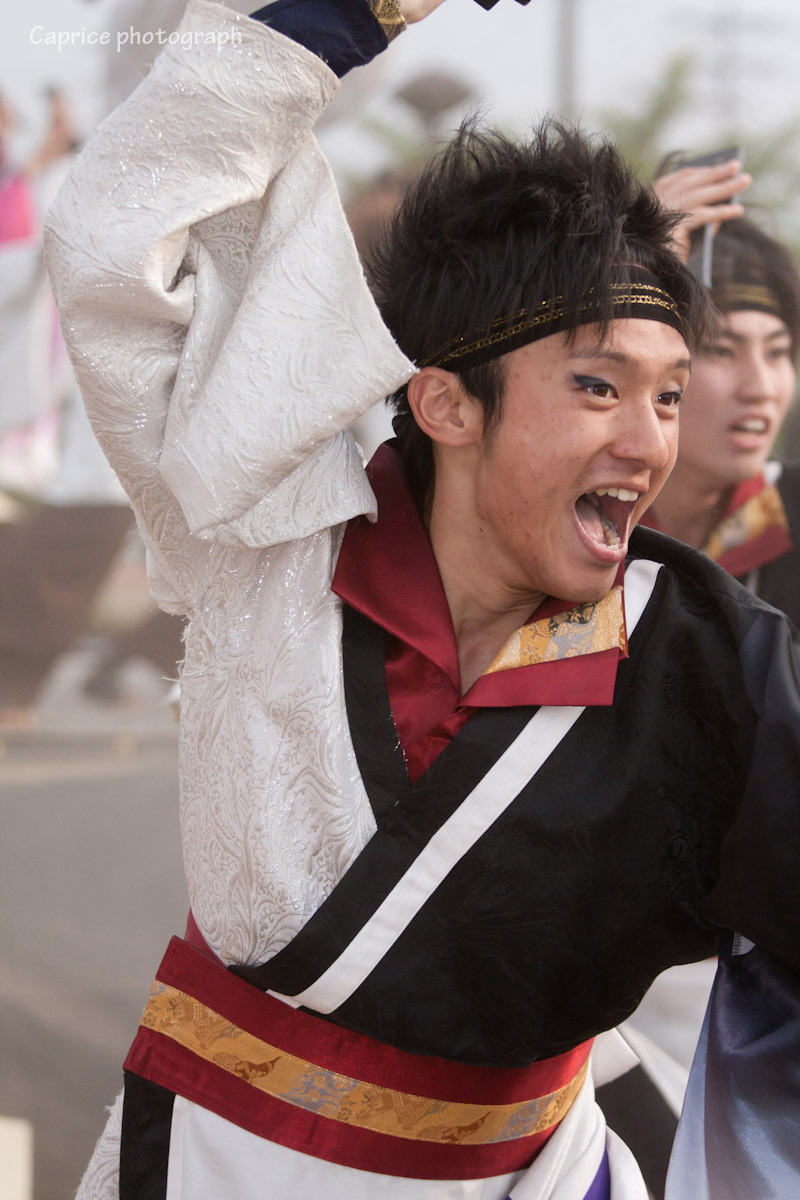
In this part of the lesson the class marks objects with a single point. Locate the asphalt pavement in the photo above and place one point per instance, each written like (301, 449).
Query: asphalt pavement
(91, 887)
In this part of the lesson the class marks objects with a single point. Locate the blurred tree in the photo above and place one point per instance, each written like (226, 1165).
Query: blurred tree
(774, 162)
(651, 130)
(400, 131)
(646, 133)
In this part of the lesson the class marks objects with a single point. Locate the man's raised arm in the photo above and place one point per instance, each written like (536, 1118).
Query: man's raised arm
(211, 295)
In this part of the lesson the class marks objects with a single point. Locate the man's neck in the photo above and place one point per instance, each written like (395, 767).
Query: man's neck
(485, 612)
(689, 508)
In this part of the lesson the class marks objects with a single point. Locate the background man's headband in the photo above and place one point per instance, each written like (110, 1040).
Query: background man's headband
(639, 295)
(744, 294)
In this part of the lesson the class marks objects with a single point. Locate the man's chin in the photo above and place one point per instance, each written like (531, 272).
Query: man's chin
(589, 590)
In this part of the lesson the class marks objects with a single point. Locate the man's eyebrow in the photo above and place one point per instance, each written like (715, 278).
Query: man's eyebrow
(601, 351)
(625, 360)
(741, 338)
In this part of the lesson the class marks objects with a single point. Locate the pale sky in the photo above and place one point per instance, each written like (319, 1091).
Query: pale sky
(507, 55)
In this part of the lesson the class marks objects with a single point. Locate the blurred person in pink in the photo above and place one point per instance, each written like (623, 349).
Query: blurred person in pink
(67, 516)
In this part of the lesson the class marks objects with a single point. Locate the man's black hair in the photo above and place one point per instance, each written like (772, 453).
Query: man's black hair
(494, 225)
(743, 251)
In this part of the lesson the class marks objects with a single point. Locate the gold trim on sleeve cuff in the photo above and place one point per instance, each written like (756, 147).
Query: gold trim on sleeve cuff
(388, 15)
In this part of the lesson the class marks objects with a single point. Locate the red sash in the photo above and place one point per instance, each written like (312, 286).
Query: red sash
(295, 1079)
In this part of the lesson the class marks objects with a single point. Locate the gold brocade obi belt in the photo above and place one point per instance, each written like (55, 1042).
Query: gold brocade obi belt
(292, 1078)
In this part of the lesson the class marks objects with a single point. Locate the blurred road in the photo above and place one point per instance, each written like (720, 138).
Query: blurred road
(91, 887)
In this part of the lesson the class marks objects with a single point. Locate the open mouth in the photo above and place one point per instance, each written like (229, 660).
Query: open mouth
(757, 425)
(605, 515)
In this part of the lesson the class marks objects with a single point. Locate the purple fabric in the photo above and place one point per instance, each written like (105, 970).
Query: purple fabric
(600, 1187)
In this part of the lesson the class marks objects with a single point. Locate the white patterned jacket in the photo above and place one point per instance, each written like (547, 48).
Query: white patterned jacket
(223, 336)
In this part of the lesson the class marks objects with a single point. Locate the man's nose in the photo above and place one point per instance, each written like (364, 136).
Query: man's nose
(643, 437)
(755, 381)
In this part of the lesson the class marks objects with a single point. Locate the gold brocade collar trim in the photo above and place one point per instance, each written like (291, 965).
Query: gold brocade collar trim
(587, 629)
(757, 515)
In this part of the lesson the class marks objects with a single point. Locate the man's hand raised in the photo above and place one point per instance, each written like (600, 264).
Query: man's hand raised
(417, 10)
(704, 195)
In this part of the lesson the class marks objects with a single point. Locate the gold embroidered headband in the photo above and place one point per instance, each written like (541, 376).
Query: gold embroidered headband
(639, 297)
(746, 294)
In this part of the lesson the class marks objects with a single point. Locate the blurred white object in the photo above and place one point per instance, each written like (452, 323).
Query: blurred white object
(16, 1159)
(669, 1076)
(82, 474)
(671, 1014)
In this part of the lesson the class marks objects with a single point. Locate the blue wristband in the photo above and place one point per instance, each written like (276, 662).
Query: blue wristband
(343, 33)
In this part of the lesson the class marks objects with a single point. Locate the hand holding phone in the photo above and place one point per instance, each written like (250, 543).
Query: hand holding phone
(704, 188)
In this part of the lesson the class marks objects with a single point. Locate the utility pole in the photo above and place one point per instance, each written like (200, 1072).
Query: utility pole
(565, 58)
(726, 28)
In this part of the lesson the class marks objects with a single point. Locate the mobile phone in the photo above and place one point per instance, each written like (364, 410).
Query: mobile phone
(702, 263)
(715, 159)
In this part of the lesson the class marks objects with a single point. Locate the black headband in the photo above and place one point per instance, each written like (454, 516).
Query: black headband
(746, 294)
(640, 296)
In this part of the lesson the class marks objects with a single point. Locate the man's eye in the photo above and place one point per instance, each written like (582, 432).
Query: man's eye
(779, 352)
(595, 387)
(717, 351)
(670, 399)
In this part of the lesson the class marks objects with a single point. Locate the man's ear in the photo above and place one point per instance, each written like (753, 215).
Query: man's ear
(442, 409)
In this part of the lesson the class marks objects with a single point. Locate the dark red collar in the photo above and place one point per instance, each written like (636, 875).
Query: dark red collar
(743, 492)
(752, 531)
(387, 571)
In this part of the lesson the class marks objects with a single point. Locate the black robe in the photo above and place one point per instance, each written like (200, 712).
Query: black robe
(778, 582)
(656, 821)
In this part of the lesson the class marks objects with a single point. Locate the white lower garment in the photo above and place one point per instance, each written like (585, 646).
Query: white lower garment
(210, 1157)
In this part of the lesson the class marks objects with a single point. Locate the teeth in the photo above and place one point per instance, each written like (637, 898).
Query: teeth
(612, 537)
(618, 493)
(753, 425)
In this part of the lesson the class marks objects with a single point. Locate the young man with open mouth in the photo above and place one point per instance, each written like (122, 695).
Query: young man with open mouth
(464, 762)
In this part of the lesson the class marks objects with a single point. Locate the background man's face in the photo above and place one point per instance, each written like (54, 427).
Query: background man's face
(741, 388)
(588, 435)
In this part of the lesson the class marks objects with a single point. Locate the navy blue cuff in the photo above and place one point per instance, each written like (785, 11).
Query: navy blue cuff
(343, 33)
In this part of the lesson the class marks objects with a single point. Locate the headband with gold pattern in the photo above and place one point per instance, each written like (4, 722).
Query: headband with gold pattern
(641, 297)
(747, 294)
